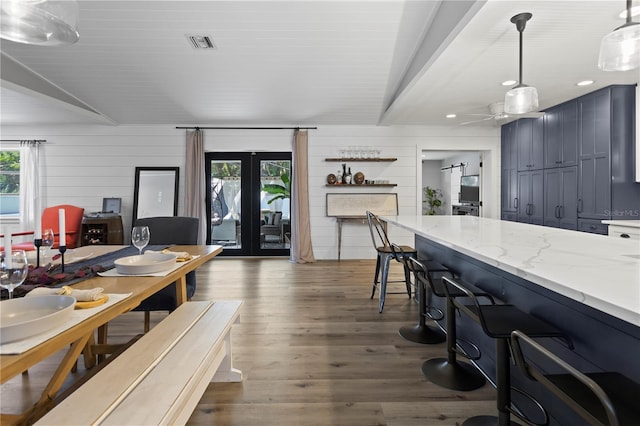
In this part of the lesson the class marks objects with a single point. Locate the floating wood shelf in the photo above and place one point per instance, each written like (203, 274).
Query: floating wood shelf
(344, 185)
(361, 159)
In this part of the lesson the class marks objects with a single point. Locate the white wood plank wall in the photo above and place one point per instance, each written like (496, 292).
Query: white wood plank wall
(83, 164)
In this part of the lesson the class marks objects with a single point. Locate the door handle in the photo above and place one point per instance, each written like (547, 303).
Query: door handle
(561, 211)
(625, 236)
(515, 202)
(557, 214)
(579, 205)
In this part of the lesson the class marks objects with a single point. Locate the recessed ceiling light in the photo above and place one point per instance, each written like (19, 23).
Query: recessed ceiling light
(635, 11)
(584, 83)
(509, 83)
(451, 116)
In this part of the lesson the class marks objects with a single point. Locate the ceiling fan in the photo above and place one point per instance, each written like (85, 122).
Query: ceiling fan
(497, 114)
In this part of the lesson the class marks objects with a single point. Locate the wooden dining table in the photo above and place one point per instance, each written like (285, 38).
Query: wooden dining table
(77, 337)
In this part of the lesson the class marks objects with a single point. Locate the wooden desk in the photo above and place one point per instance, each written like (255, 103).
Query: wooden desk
(79, 335)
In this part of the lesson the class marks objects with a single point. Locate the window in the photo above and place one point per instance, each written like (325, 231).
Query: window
(10, 183)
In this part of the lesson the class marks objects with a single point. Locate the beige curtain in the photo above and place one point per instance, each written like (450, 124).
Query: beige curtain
(194, 203)
(301, 247)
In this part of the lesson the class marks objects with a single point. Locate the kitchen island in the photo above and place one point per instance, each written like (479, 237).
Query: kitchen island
(587, 285)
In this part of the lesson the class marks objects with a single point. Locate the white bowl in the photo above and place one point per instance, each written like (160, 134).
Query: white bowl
(148, 263)
(24, 317)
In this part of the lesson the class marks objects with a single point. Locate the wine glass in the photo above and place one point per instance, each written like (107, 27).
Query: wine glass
(13, 270)
(47, 242)
(140, 237)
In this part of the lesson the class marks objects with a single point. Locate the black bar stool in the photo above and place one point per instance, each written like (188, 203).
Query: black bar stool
(498, 321)
(449, 372)
(423, 275)
(604, 398)
(385, 254)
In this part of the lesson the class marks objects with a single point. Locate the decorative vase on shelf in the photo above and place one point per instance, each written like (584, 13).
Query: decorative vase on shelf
(347, 178)
(344, 173)
(358, 178)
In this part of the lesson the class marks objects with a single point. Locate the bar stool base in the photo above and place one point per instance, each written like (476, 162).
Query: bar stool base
(456, 376)
(485, 421)
(422, 334)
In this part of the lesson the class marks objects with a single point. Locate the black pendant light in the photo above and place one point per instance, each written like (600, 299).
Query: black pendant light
(521, 98)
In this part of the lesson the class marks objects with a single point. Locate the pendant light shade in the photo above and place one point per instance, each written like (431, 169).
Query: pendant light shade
(41, 22)
(522, 98)
(620, 49)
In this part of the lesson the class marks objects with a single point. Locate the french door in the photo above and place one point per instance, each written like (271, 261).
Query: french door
(248, 202)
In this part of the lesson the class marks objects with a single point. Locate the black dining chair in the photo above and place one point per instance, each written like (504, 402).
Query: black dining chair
(169, 230)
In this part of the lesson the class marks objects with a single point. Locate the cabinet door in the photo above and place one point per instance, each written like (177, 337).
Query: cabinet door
(552, 137)
(536, 202)
(537, 143)
(509, 172)
(569, 134)
(561, 135)
(524, 196)
(569, 197)
(552, 197)
(594, 184)
(529, 140)
(523, 142)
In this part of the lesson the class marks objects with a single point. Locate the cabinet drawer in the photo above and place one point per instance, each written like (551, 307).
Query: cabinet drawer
(593, 226)
(628, 232)
(624, 234)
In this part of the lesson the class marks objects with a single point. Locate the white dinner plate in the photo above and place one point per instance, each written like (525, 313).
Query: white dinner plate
(24, 317)
(148, 263)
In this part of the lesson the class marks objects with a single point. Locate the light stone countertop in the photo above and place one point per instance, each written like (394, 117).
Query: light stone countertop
(597, 270)
(629, 223)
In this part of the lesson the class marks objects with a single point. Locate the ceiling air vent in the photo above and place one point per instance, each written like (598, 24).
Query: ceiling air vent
(200, 41)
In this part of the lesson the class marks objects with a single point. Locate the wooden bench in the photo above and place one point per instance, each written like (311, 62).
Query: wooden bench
(162, 376)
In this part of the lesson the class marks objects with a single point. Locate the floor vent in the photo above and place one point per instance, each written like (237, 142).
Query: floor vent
(200, 41)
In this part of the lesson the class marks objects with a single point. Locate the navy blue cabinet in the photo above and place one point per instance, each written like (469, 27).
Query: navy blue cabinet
(561, 198)
(561, 135)
(606, 185)
(588, 152)
(529, 139)
(530, 200)
(509, 172)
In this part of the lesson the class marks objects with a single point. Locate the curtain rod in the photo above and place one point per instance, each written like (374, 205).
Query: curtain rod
(248, 128)
(453, 166)
(24, 140)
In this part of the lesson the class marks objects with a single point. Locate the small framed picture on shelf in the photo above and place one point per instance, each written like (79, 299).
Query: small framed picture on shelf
(111, 205)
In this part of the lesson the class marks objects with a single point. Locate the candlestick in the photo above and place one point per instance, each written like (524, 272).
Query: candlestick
(8, 258)
(37, 243)
(62, 241)
(62, 249)
(38, 219)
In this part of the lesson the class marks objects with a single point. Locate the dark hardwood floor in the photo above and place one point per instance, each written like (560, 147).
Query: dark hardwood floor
(313, 349)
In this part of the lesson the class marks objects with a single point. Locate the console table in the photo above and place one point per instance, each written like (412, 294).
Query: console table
(102, 230)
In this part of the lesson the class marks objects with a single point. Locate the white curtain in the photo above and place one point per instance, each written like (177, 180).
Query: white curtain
(301, 246)
(194, 204)
(29, 184)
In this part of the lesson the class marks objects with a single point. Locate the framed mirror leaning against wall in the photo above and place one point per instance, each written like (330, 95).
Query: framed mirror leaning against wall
(155, 192)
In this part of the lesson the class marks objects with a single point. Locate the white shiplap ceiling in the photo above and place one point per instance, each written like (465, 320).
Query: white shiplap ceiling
(304, 62)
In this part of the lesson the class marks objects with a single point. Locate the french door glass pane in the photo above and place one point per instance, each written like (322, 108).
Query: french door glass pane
(275, 213)
(226, 204)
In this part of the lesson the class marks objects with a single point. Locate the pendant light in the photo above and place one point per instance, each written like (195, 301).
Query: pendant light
(521, 98)
(41, 22)
(620, 49)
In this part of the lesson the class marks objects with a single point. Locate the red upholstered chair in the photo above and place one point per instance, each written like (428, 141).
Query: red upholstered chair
(73, 223)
